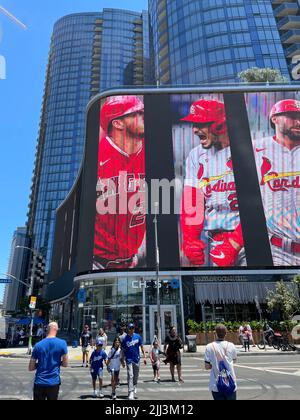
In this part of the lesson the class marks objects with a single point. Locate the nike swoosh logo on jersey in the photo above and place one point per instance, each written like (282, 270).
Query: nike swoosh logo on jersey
(261, 150)
(103, 163)
(220, 257)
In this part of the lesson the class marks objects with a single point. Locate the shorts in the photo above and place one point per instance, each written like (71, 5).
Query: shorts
(97, 374)
(86, 349)
(49, 393)
(155, 367)
(114, 373)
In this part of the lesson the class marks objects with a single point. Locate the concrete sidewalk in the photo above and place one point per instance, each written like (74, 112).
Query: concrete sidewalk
(75, 354)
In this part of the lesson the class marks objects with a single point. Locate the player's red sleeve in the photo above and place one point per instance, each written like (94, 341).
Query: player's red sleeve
(192, 219)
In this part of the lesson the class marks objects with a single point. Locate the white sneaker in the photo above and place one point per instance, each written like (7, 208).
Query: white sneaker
(135, 393)
(113, 396)
(95, 394)
(101, 395)
(131, 395)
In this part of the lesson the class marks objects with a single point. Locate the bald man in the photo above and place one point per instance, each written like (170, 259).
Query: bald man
(47, 358)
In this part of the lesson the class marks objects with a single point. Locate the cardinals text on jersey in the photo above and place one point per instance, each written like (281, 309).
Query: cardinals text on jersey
(279, 176)
(212, 171)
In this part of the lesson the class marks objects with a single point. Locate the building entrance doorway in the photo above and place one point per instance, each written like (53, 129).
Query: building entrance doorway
(168, 319)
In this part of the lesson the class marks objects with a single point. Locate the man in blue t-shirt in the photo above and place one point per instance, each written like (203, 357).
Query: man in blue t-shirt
(47, 358)
(131, 345)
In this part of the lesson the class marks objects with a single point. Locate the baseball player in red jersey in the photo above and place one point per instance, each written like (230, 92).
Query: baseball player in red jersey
(120, 217)
(277, 161)
(209, 201)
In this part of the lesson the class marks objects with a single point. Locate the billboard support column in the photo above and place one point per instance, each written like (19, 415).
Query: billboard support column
(157, 277)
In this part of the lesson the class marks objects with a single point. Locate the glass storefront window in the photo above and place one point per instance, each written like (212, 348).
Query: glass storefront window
(111, 302)
(230, 313)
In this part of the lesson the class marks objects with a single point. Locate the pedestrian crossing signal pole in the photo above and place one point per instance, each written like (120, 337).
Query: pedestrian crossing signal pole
(157, 276)
(36, 270)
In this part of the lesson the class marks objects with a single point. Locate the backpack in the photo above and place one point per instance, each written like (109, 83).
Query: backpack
(225, 383)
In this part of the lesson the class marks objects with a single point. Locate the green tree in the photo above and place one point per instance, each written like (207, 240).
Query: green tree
(284, 300)
(296, 280)
(262, 75)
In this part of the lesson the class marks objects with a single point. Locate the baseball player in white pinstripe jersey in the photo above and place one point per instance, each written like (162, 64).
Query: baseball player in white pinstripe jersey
(278, 166)
(209, 183)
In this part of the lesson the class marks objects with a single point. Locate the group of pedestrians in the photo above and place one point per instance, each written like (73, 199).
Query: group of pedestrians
(50, 354)
(125, 352)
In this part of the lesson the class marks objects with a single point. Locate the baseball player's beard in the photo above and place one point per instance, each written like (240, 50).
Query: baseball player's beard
(137, 135)
(292, 135)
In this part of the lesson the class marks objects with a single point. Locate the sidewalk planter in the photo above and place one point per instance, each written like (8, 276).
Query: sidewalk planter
(210, 336)
(233, 337)
(205, 331)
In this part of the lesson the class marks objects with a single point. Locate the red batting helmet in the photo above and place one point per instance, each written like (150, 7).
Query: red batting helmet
(208, 111)
(118, 106)
(281, 107)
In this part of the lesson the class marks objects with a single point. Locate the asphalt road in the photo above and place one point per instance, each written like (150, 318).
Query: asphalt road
(259, 378)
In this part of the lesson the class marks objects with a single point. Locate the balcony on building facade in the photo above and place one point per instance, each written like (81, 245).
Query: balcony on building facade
(286, 9)
(292, 50)
(291, 37)
(290, 22)
(276, 2)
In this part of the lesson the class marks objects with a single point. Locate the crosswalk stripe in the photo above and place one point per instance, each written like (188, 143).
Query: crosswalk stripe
(156, 387)
(261, 369)
(14, 397)
(241, 388)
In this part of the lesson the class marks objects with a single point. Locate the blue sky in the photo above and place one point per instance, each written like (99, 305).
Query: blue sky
(26, 53)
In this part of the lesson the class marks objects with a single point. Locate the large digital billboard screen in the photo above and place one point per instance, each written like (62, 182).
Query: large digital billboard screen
(224, 168)
(212, 233)
(120, 224)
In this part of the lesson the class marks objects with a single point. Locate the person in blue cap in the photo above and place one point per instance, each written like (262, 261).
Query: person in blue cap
(131, 346)
(96, 362)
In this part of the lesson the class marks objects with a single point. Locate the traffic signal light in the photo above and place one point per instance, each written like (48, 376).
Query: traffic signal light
(38, 269)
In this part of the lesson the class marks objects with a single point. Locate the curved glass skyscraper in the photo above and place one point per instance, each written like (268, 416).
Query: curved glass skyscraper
(89, 52)
(211, 41)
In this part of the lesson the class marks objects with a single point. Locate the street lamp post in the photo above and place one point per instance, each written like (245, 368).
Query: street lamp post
(258, 307)
(157, 277)
(15, 278)
(30, 293)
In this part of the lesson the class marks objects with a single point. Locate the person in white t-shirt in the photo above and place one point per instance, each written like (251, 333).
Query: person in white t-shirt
(114, 365)
(216, 351)
(103, 337)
